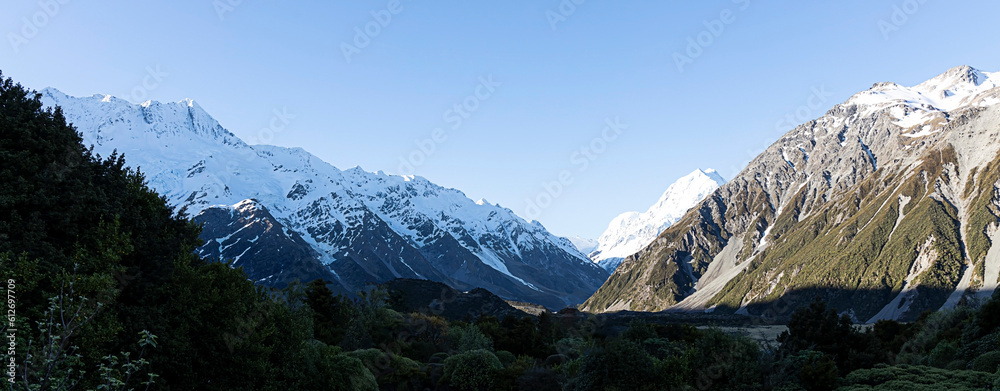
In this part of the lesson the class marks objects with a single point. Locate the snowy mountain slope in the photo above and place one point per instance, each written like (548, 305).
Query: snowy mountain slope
(630, 232)
(886, 206)
(353, 226)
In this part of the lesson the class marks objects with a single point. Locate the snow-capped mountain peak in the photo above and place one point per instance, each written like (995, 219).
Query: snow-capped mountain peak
(958, 87)
(681, 193)
(957, 78)
(105, 118)
(631, 231)
(922, 110)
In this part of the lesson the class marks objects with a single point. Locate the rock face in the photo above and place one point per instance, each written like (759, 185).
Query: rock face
(886, 206)
(249, 236)
(630, 232)
(283, 214)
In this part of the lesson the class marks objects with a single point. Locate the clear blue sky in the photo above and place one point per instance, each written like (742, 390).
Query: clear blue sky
(604, 60)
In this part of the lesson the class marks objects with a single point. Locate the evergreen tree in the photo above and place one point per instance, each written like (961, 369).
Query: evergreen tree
(330, 314)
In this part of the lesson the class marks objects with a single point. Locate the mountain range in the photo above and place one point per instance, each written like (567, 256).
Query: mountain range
(283, 214)
(886, 206)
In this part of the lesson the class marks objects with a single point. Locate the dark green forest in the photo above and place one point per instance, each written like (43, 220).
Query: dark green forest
(105, 293)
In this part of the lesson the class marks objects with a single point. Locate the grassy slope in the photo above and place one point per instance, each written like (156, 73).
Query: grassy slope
(856, 260)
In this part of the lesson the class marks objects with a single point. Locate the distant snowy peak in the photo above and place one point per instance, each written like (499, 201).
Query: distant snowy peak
(686, 192)
(585, 245)
(630, 232)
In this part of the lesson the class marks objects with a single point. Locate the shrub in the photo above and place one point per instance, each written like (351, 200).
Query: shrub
(472, 370)
(323, 369)
(374, 359)
(571, 347)
(942, 354)
(988, 362)
(819, 372)
(818, 328)
(508, 376)
(348, 373)
(889, 335)
(726, 362)
(390, 369)
(663, 348)
(639, 331)
(468, 337)
(621, 365)
(931, 331)
(988, 316)
(674, 370)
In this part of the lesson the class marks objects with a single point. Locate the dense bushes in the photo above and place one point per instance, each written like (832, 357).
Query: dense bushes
(472, 370)
(915, 378)
(391, 370)
(321, 367)
(622, 364)
(725, 362)
(953, 349)
(987, 362)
